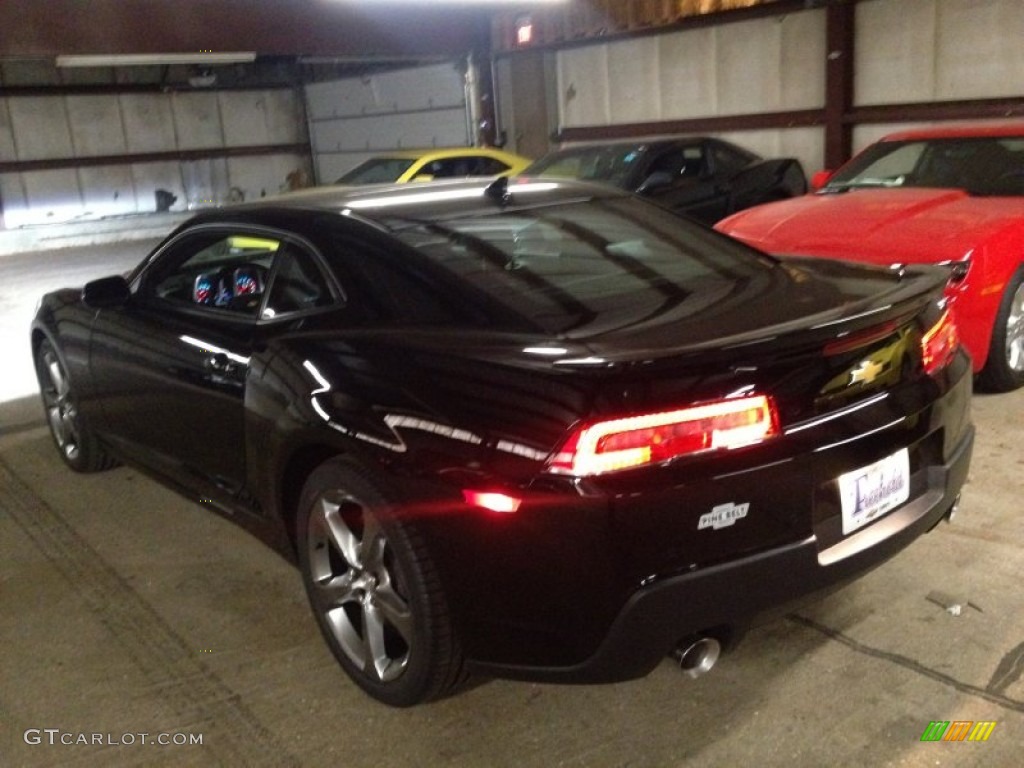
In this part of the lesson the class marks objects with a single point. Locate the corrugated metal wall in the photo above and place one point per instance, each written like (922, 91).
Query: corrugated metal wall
(64, 128)
(907, 51)
(353, 118)
(936, 50)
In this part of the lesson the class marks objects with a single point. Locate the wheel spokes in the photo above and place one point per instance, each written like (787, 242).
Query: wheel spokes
(338, 590)
(352, 585)
(1015, 332)
(60, 408)
(395, 610)
(340, 534)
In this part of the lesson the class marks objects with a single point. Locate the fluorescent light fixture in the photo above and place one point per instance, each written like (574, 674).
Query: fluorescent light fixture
(156, 59)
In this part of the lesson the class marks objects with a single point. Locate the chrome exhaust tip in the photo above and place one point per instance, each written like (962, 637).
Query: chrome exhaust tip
(953, 510)
(697, 657)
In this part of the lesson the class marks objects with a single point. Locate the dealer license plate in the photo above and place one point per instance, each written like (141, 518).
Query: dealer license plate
(868, 493)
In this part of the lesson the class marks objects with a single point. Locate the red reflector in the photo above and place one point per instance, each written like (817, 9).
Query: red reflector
(939, 344)
(492, 500)
(637, 440)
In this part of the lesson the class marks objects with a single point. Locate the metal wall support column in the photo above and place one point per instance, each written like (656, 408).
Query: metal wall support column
(839, 46)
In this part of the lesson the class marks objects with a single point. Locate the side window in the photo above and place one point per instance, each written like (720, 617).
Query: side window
(489, 166)
(298, 284)
(216, 270)
(728, 162)
(680, 163)
(453, 167)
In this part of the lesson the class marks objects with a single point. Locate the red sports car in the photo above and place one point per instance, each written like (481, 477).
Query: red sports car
(952, 196)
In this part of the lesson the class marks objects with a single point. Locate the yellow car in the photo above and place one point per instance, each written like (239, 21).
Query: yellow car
(428, 164)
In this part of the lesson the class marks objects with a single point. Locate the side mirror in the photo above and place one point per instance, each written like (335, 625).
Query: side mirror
(820, 179)
(106, 292)
(656, 182)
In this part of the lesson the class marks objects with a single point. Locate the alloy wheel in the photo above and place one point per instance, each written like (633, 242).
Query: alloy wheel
(60, 406)
(1015, 331)
(356, 588)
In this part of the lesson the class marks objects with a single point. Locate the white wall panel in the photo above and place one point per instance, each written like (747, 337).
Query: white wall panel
(763, 65)
(583, 86)
(633, 62)
(50, 197)
(980, 46)
(197, 120)
(805, 144)
(749, 61)
(938, 50)
(107, 190)
(894, 60)
(253, 118)
(206, 182)
(149, 177)
(286, 121)
(12, 192)
(687, 76)
(7, 151)
(148, 122)
(40, 127)
(268, 178)
(96, 127)
(803, 60)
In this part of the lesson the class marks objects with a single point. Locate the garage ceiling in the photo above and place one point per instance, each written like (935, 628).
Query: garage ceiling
(377, 29)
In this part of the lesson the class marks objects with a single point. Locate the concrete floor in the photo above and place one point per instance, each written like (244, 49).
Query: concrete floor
(127, 610)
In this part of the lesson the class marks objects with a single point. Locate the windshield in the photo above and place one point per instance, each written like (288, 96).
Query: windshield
(608, 164)
(378, 170)
(589, 266)
(980, 166)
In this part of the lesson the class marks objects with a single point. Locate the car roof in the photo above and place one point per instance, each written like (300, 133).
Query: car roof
(443, 154)
(961, 131)
(424, 200)
(656, 141)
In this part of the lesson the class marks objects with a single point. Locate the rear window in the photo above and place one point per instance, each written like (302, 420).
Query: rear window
(379, 170)
(595, 265)
(608, 164)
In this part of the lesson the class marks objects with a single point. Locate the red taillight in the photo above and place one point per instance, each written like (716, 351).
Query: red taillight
(494, 501)
(939, 344)
(637, 440)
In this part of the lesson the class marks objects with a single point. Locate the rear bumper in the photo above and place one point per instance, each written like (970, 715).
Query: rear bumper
(659, 615)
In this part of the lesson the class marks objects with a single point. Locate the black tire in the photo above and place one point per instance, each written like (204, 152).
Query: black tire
(373, 587)
(76, 443)
(1004, 369)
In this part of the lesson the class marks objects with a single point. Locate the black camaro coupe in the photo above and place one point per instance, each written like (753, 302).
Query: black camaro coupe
(530, 429)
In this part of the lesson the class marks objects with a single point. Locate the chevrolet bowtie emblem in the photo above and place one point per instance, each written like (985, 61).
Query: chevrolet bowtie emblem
(866, 372)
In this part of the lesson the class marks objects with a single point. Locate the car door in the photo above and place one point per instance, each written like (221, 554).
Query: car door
(171, 367)
(685, 181)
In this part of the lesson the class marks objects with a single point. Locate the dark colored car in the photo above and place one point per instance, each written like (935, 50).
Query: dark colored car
(704, 178)
(540, 430)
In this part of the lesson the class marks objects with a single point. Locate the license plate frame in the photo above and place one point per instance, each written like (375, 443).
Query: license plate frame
(874, 490)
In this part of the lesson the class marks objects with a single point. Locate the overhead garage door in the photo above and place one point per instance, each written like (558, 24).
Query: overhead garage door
(354, 118)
